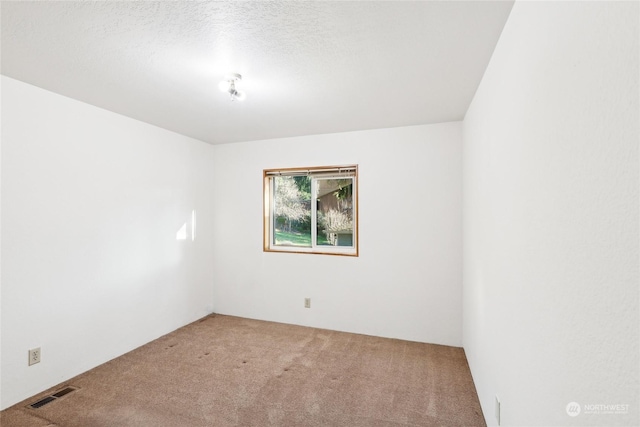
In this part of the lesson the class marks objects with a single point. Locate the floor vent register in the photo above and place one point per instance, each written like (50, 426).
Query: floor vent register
(48, 399)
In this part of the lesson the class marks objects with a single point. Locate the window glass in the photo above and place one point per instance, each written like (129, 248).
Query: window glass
(334, 201)
(311, 210)
(292, 211)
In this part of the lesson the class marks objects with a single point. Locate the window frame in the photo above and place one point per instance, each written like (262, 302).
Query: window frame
(321, 172)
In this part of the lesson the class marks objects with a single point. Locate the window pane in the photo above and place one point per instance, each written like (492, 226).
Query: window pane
(335, 212)
(292, 211)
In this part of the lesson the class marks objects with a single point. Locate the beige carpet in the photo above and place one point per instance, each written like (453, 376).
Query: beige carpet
(230, 371)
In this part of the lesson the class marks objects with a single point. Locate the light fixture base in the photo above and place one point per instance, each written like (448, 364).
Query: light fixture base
(228, 85)
(233, 77)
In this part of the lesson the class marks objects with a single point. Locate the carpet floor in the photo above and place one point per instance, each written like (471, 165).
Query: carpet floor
(231, 371)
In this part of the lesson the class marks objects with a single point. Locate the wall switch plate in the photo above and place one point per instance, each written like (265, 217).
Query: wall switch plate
(34, 356)
(307, 303)
(498, 409)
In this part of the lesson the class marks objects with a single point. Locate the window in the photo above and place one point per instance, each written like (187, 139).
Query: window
(311, 210)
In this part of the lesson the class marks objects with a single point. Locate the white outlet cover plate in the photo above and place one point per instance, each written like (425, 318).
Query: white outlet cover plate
(35, 355)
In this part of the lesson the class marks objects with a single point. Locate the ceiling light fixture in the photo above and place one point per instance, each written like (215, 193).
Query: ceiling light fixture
(228, 85)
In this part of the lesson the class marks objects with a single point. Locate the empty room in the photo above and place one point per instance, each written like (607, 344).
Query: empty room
(319, 213)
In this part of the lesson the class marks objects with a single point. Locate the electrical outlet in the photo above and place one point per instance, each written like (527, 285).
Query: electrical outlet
(307, 303)
(34, 356)
(497, 409)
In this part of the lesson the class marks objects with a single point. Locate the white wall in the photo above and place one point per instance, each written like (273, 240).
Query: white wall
(406, 283)
(91, 203)
(551, 216)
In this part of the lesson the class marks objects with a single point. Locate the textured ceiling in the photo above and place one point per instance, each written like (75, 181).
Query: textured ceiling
(308, 67)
